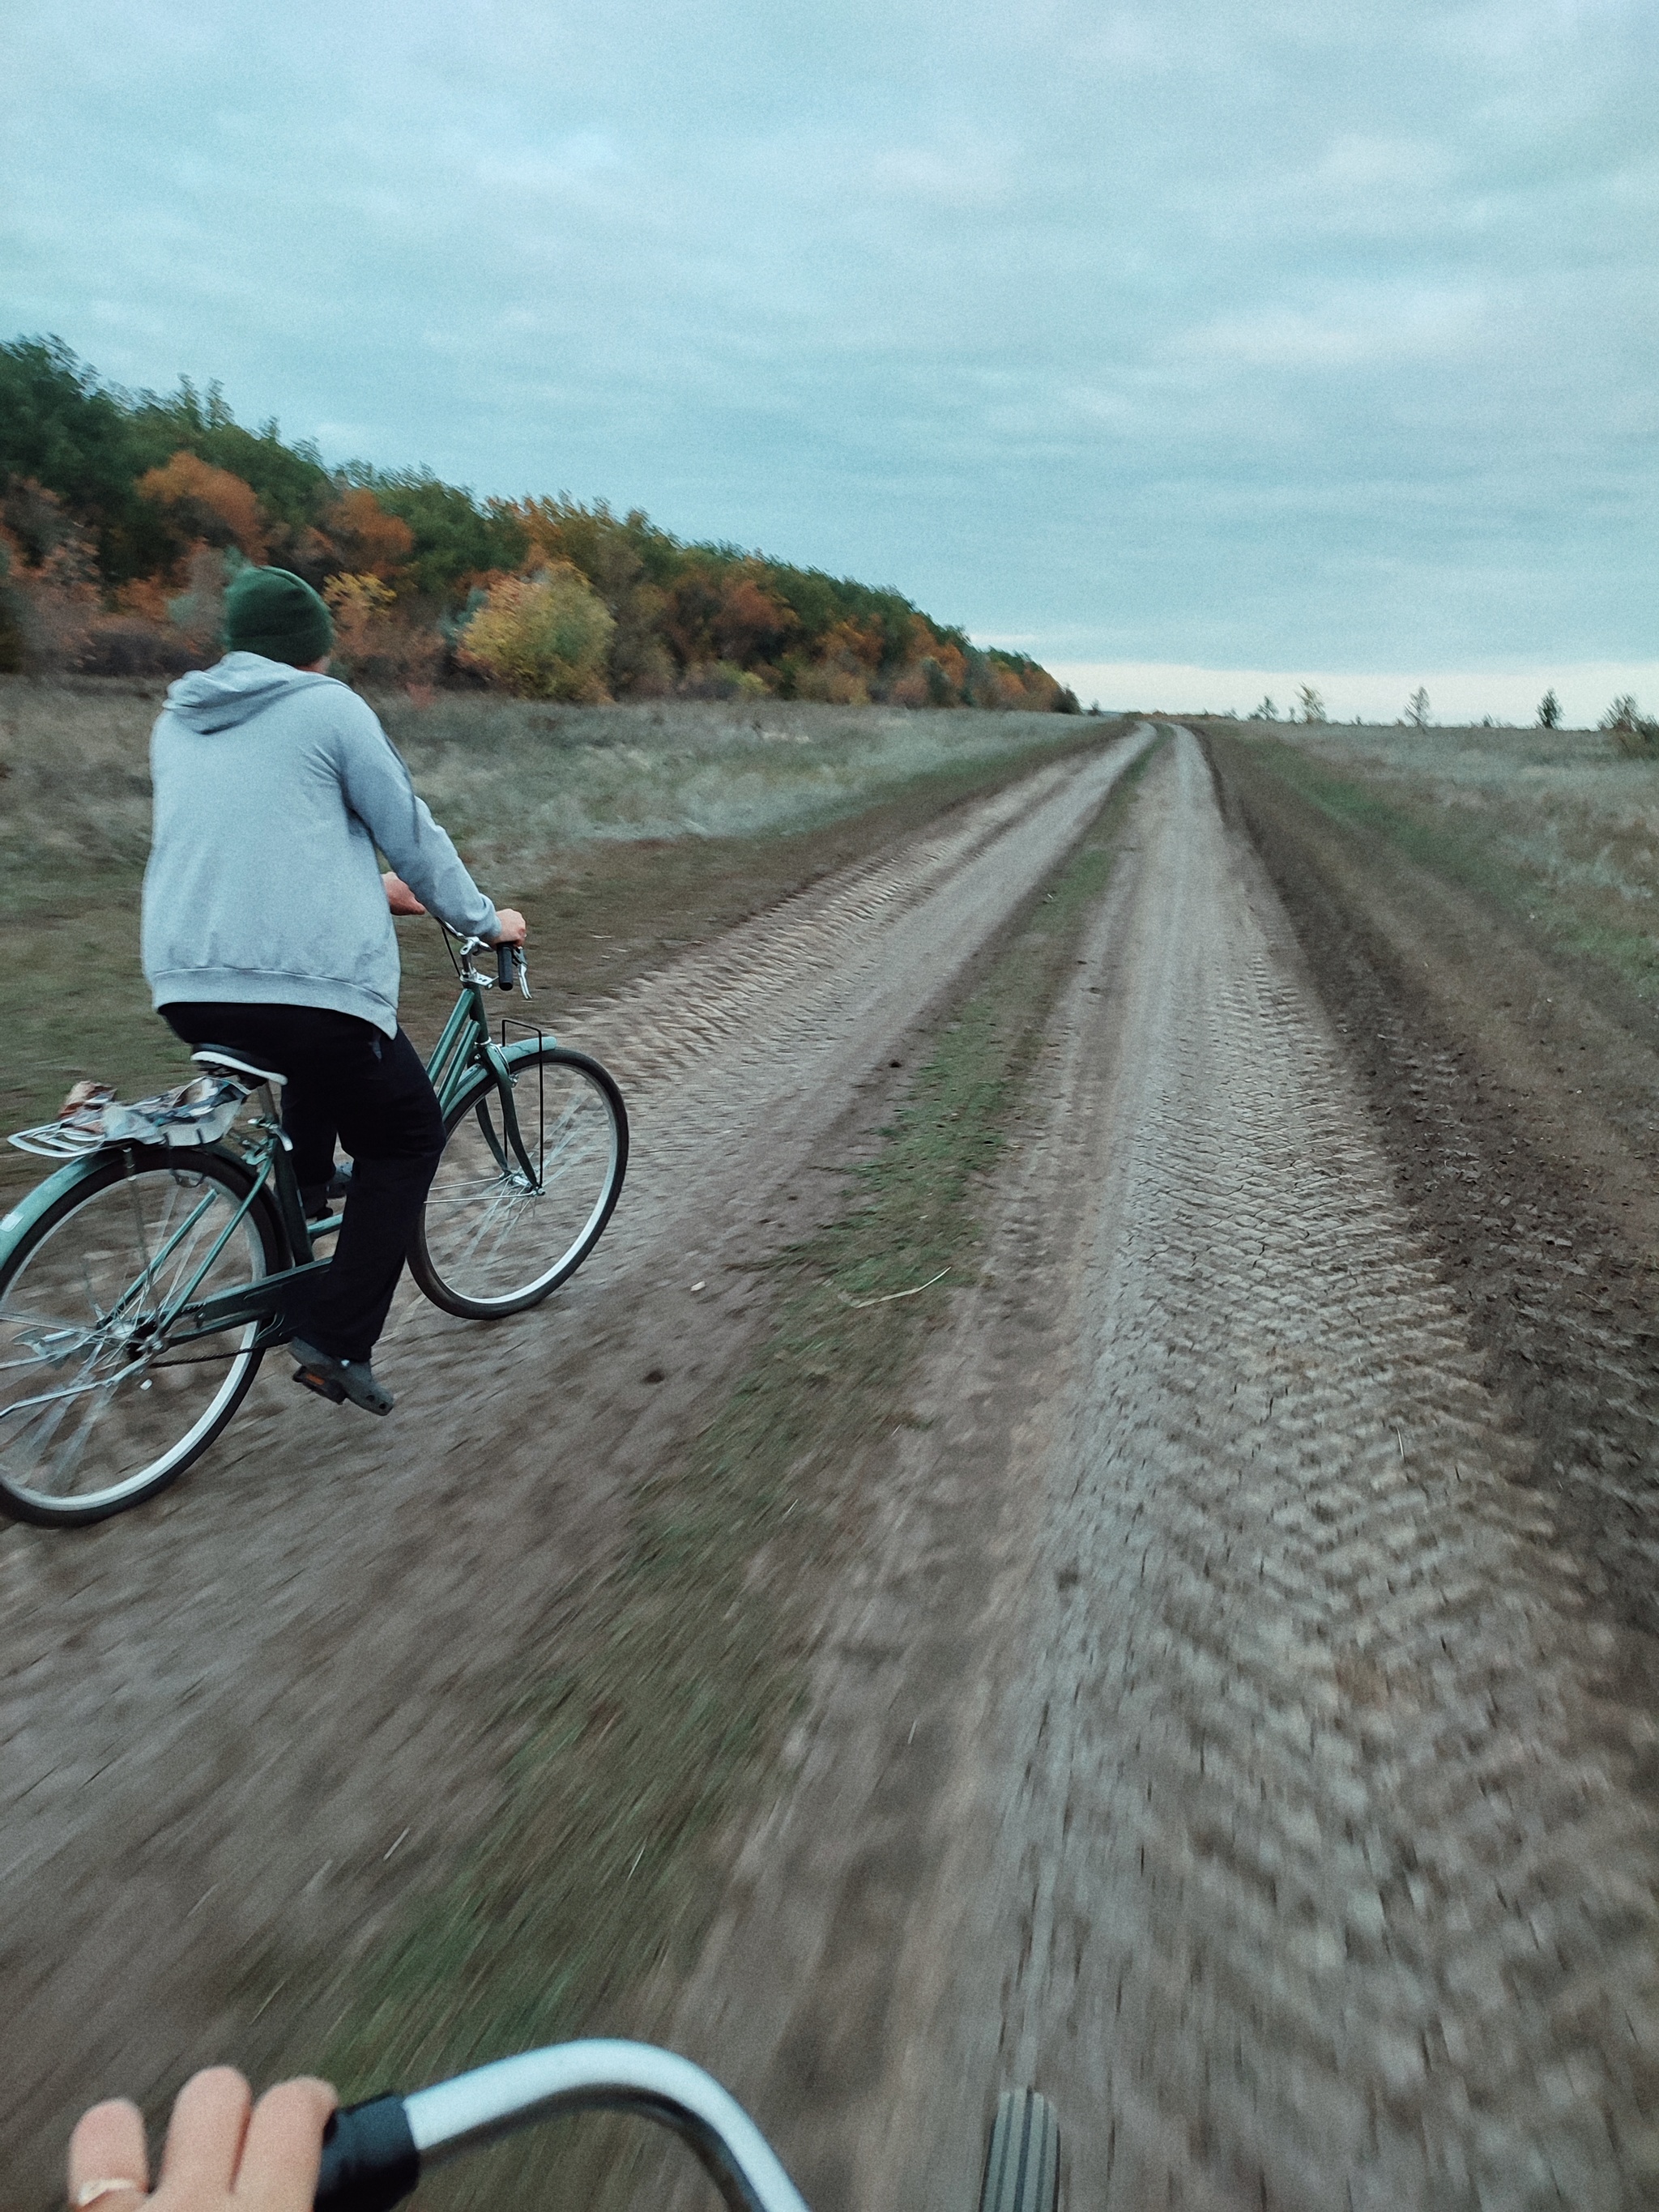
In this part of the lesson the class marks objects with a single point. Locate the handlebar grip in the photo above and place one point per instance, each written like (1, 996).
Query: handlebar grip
(504, 967)
(369, 2160)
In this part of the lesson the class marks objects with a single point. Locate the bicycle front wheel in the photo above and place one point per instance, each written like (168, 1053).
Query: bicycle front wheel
(99, 1408)
(494, 1239)
(1022, 2160)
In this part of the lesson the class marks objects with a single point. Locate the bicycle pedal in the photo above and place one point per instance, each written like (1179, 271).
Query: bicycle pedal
(323, 1385)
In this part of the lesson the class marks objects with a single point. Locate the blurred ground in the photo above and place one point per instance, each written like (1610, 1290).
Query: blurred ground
(1208, 1671)
(1241, 1726)
(254, 1732)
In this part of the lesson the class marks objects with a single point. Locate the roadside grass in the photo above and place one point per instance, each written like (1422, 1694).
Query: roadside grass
(513, 779)
(659, 1727)
(1558, 829)
(606, 893)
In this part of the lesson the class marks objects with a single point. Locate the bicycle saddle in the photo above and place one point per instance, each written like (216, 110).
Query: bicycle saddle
(211, 1057)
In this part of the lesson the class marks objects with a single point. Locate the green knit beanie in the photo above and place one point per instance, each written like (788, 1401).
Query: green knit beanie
(271, 612)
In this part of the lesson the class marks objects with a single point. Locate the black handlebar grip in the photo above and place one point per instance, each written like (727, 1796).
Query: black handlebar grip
(369, 2160)
(504, 966)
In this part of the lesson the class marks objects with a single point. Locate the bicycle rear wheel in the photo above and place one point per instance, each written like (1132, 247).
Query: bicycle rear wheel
(1022, 2164)
(98, 1410)
(493, 1240)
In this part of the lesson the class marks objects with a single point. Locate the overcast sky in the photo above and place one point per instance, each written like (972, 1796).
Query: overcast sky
(1237, 337)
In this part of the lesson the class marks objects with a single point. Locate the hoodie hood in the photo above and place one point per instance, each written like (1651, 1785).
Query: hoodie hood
(234, 691)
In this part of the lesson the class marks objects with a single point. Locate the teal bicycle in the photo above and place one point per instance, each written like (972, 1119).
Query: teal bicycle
(141, 1284)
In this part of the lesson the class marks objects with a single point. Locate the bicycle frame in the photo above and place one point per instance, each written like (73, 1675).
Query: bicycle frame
(466, 1045)
(464, 1052)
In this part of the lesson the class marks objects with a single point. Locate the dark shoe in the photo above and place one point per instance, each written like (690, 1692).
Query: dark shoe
(337, 1380)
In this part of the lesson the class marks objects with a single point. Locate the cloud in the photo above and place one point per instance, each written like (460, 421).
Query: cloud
(1209, 332)
(962, 178)
(1368, 331)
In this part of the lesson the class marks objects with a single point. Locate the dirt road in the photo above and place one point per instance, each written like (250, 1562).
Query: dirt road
(244, 1727)
(1221, 1737)
(1211, 1725)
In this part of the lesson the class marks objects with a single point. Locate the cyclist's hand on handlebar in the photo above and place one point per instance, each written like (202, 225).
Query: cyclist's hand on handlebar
(513, 928)
(220, 2157)
(399, 896)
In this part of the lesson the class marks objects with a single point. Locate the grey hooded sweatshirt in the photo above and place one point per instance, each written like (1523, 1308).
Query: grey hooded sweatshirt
(272, 789)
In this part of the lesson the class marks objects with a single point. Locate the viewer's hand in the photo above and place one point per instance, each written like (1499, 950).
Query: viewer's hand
(217, 2158)
(399, 896)
(513, 928)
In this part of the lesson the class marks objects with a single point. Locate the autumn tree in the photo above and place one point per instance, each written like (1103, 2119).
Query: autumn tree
(612, 553)
(198, 612)
(289, 480)
(363, 539)
(375, 642)
(59, 428)
(456, 540)
(546, 635)
(207, 504)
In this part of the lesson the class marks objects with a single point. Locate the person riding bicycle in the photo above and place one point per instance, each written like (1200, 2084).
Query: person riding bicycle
(267, 932)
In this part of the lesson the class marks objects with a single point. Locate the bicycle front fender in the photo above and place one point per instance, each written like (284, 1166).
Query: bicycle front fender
(526, 1048)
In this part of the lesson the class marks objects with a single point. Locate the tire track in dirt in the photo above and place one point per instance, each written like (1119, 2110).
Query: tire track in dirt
(742, 1046)
(245, 1725)
(1221, 1738)
(1516, 1092)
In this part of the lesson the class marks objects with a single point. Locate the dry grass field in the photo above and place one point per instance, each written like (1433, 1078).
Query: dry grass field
(1557, 828)
(623, 832)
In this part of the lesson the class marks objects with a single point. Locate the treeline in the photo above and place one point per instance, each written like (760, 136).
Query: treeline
(123, 516)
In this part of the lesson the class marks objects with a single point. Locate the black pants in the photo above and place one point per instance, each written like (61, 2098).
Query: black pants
(346, 1079)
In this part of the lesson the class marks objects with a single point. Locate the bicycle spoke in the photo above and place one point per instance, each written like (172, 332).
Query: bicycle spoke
(92, 1412)
(500, 1230)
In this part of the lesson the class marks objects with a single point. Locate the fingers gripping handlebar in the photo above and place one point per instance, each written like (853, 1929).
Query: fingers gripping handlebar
(375, 2154)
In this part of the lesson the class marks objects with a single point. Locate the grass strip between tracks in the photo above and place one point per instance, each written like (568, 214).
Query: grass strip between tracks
(663, 1728)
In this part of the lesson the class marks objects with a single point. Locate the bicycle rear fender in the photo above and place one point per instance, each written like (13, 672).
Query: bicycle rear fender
(16, 1225)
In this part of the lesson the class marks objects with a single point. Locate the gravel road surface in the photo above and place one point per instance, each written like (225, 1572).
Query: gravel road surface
(1220, 1735)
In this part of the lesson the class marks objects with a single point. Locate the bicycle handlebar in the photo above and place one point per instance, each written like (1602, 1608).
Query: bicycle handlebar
(374, 2153)
(511, 966)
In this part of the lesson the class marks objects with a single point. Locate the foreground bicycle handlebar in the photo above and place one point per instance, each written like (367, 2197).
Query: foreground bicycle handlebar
(375, 2154)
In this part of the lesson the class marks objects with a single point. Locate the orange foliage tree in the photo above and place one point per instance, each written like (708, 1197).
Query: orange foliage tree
(208, 503)
(363, 538)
